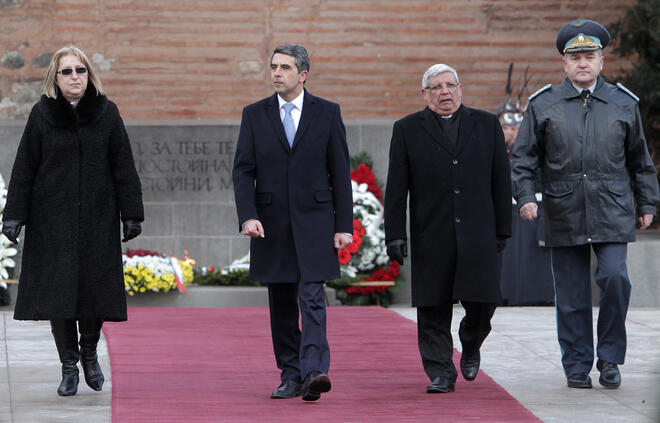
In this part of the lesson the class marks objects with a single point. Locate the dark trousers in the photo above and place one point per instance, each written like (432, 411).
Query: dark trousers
(434, 335)
(298, 352)
(571, 268)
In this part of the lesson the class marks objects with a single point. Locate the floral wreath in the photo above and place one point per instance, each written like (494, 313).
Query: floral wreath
(364, 262)
(7, 250)
(150, 271)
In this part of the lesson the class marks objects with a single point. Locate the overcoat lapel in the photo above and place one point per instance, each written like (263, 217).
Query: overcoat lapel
(273, 111)
(307, 116)
(465, 128)
(432, 127)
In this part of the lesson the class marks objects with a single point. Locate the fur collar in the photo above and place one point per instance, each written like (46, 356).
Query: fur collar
(58, 111)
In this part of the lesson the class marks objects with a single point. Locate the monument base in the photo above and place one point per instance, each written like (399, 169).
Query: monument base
(213, 296)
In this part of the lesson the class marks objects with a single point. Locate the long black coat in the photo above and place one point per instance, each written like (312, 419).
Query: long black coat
(460, 202)
(73, 175)
(301, 195)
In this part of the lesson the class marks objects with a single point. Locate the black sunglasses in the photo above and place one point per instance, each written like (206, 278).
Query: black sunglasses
(69, 71)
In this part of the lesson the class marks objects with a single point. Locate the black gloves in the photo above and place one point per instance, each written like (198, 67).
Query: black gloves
(397, 249)
(11, 229)
(501, 244)
(131, 230)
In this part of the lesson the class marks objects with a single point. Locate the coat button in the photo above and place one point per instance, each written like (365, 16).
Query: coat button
(458, 220)
(457, 191)
(454, 161)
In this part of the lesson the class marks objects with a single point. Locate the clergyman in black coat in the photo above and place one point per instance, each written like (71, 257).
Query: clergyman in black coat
(293, 197)
(74, 177)
(451, 161)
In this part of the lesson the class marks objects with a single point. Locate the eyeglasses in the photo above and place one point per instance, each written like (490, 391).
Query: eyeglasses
(450, 86)
(68, 71)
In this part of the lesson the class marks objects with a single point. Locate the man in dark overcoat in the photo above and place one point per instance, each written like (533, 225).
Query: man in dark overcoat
(586, 137)
(452, 161)
(293, 197)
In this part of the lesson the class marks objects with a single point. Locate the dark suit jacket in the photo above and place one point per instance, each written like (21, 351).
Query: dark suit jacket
(301, 195)
(460, 202)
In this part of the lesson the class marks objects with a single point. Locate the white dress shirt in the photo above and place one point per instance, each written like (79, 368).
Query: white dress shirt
(296, 111)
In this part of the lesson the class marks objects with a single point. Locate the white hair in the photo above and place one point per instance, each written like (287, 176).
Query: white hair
(437, 69)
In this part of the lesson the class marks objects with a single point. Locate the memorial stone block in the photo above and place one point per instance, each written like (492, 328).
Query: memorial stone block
(184, 163)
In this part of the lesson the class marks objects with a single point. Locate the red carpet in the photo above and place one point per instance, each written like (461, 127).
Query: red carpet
(217, 365)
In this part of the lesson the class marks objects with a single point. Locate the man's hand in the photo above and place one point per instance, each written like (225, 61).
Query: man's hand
(11, 229)
(342, 240)
(253, 228)
(645, 221)
(528, 211)
(397, 249)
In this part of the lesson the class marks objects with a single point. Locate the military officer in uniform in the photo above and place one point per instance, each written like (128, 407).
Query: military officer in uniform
(586, 137)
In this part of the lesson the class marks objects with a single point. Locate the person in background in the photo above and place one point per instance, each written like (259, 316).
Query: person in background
(451, 160)
(586, 138)
(510, 117)
(73, 179)
(294, 199)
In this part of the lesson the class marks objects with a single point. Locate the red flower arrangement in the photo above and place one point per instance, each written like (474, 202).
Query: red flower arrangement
(364, 261)
(344, 256)
(353, 247)
(142, 253)
(389, 274)
(364, 175)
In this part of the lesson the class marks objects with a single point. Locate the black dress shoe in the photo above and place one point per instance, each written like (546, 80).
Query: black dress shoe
(287, 389)
(470, 365)
(315, 384)
(579, 380)
(610, 377)
(440, 385)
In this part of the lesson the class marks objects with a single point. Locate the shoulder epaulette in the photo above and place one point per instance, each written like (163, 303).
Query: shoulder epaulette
(627, 91)
(547, 87)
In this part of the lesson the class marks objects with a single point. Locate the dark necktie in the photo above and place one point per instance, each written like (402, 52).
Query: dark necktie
(586, 97)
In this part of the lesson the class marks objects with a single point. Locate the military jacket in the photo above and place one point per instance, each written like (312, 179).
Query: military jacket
(594, 160)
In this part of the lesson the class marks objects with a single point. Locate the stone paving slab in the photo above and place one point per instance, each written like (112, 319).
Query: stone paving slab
(30, 373)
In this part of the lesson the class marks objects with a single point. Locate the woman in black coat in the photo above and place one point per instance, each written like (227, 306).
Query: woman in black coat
(73, 178)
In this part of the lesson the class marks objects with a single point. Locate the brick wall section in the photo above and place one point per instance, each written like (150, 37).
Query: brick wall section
(207, 59)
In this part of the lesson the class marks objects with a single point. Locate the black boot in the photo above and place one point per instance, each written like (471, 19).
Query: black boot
(66, 340)
(90, 332)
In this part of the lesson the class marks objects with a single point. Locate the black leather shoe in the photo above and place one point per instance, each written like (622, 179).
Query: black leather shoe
(315, 384)
(579, 380)
(610, 377)
(287, 389)
(440, 385)
(470, 365)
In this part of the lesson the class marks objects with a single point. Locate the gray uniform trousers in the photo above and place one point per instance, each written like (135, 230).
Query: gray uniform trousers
(571, 268)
